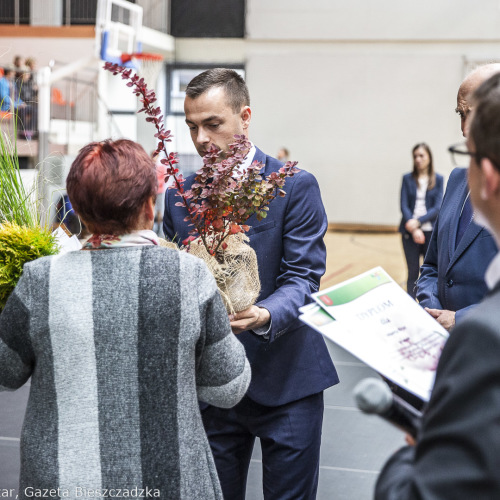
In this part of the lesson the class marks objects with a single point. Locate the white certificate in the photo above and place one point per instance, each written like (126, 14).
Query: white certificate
(374, 319)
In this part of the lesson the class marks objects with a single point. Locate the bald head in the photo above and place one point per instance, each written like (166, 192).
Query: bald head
(471, 82)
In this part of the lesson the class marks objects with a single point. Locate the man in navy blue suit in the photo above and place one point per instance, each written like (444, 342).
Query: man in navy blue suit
(452, 275)
(290, 362)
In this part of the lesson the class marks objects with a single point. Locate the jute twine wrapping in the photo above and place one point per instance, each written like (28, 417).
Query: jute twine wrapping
(168, 244)
(235, 270)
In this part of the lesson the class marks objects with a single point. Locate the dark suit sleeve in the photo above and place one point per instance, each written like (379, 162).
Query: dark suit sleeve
(434, 202)
(168, 227)
(460, 313)
(406, 210)
(394, 481)
(427, 283)
(304, 253)
(457, 453)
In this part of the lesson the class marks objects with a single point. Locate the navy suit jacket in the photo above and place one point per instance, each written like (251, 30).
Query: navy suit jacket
(294, 362)
(433, 199)
(450, 278)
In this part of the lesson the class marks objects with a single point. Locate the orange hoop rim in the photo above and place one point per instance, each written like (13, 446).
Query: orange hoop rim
(144, 56)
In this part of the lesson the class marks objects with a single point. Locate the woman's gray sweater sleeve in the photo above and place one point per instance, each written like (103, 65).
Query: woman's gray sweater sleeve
(16, 351)
(223, 371)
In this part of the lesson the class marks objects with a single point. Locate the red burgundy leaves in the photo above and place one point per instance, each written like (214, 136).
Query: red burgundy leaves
(223, 196)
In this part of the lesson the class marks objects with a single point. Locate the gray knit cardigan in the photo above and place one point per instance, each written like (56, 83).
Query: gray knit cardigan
(120, 344)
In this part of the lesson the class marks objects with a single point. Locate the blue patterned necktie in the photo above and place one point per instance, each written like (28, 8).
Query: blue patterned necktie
(465, 219)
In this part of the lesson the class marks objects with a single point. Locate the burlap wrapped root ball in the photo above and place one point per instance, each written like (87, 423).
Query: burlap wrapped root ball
(235, 270)
(168, 244)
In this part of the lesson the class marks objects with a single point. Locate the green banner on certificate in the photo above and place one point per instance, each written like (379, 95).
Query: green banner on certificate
(354, 289)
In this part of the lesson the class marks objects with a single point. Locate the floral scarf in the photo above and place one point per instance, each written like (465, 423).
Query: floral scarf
(137, 238)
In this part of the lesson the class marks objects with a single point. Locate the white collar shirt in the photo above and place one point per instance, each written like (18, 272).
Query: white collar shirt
(249, 157)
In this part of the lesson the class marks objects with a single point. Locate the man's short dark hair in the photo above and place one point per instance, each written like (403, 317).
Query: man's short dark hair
(235, 87)
(485, 126)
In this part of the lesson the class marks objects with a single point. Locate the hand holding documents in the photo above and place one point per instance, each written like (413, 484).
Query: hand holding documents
(374, 319)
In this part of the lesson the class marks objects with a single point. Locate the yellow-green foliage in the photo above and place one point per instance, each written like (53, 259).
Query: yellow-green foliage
(18, 245)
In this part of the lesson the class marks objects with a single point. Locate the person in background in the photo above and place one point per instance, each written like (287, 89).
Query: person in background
(283, 155)
(9, 97)
(66, 216)
(421, 196)
(18, 63)
(29, 85)
(12, 102)
(28, 112)
(451, 279)
(120, 340)
(29, 94)
(457, 454)
(31, 64)
(161, 170)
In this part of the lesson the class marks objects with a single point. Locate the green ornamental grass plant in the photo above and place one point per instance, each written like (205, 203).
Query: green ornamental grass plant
(22, 236)
(16, 203)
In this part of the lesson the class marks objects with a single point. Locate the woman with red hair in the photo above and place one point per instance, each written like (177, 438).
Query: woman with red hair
(120, 339)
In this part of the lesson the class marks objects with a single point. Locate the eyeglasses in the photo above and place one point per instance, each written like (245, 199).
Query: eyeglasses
(458, 151)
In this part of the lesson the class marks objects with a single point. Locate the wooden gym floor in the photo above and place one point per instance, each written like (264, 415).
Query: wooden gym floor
(349, 254)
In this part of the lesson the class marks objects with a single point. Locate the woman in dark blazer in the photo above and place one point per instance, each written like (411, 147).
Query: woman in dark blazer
(421, 195)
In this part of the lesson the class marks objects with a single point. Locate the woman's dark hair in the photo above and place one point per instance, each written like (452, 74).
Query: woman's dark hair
(108, 184)
(485, 126)
(430, 171)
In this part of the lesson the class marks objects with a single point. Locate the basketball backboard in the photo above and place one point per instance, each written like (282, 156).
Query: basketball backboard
(118, 30)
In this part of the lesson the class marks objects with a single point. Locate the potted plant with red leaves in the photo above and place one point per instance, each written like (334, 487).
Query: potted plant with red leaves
(220, 201)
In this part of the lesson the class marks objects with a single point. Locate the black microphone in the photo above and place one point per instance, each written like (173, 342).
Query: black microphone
(374, 396)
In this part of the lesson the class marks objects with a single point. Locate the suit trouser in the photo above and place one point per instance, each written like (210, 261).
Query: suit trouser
(290, 437)
(413, 251)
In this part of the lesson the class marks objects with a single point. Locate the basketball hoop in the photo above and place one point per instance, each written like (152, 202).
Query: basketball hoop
(149, 65)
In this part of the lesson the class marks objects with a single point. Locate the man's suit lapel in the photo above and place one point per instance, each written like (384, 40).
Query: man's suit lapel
(260, 156)
(252, 221)
(469, 236)
(471, 232)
